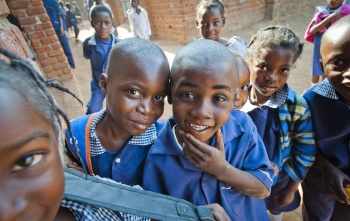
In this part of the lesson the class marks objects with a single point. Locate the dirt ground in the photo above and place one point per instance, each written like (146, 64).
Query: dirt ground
(299, 79)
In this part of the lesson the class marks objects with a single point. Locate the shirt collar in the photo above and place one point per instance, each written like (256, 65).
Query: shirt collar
(325, 89)
(92, 40)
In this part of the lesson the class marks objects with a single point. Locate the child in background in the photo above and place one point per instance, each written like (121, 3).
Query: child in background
(244, 82)
(281, 115)
(210, 19)
(77, 12)
(115, 141)
(324, 197)
(324, 17)
(204, 154)
(72, 21)
(97, 48)
(138, 20)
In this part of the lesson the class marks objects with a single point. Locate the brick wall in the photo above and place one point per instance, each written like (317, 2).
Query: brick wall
(42, 37)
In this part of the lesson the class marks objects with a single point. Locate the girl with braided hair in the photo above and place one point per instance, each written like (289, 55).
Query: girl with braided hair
(282, 116)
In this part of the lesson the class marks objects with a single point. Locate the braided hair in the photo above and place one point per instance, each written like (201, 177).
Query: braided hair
(276, 36)
(206, 4)
(20, 76)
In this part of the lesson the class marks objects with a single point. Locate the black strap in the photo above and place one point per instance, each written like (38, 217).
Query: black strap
(118, 197)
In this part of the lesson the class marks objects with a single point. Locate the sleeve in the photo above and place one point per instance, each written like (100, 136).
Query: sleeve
(57, 8)
(308, 36)
(86, 49)
(256, 161)
(303, 143)
(149, 32)
(132, 26)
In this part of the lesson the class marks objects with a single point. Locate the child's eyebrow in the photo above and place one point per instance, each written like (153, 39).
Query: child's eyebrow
(187, 84)
(39, 134)
(222, 86)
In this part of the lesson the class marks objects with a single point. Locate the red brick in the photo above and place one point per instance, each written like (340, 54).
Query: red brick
(20, 13)
(48, 69)
(35, 42)
(27, 21)
(35, 11)
(42, 49)
(60, 65)
(44, 17)
(37, 3)
(67, 70)
(36, 35)
(56, 46)
(54, 53)
(18, 4)
(41, 57)
(49, 40)
(50, 32)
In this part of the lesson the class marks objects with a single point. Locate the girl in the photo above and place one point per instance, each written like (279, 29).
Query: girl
(210, 19)
(282, 116)
(243, 83)
(97, 48)
(324, 17)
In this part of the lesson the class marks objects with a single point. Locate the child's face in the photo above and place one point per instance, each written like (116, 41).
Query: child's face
(202, 99)
(243, 84)
(210, 23)
(135, 94)
(102, 23)
(134, 3)
(336, 61)
(334, 3)
(31, 176)
(269, 70)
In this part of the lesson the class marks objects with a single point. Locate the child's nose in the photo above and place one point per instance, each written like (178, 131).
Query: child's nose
(10, 206)
(146, 106)
(203, 110)
(271, 76)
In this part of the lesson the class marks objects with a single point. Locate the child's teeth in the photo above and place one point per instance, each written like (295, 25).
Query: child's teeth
(197, 127)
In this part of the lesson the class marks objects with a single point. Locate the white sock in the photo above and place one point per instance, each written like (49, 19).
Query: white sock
(277, 217)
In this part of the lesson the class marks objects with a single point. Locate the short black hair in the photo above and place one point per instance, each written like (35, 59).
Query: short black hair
(274, 37)
(100, 8)
(206, 4)
(345, 21)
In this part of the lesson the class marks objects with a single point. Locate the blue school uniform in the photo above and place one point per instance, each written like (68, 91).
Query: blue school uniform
(284, 123)
(53, 10)
(125, 166)
(97, 51)
(332, 131)
(167, 170)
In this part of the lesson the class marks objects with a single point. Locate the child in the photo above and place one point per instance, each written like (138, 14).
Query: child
(57, 19)
(210, 19)
(138, 20)
(76, 11)
(324, 17)
(72, 20)
(234, 169)
(97, 48)
(115, 141)
(99, 2)
(243, 84)
(323, 195)
(282, 116)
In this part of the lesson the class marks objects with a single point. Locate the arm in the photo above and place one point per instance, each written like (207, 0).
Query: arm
(333, 179)
(286, 195)
(332, 17)
(132, 26)
(149, 32)
(212, 160)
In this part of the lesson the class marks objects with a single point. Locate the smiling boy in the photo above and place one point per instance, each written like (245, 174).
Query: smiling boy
(205, 154)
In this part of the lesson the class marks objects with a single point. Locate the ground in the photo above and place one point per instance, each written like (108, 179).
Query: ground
(299, 78)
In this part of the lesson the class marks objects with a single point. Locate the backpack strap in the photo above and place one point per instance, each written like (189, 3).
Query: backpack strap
(122, 198)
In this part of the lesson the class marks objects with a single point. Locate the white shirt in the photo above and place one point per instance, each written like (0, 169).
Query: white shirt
(139, 23)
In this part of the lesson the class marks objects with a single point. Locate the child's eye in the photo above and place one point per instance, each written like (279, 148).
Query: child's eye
(219, 99)
(135, 93)
(28, 161)
(285, 70)
(216, 23)
(188, 95)
(263, 67)
(337, 63)
(159, 98)
(245, 87)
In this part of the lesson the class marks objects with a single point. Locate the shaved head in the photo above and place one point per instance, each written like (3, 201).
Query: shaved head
(130, 51)
(203, 54)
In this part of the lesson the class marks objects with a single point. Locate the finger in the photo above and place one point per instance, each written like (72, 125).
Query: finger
(199, 147)
(219, 141)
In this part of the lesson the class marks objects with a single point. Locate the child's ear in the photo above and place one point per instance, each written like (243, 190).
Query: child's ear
(321, 64)
(197, 24)
(103, 83)
(223, 21)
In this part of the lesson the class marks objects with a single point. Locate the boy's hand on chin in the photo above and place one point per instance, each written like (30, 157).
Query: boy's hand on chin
(76, 167)
(209, 159)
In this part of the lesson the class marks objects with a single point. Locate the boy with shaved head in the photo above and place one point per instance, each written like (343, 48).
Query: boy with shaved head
(324, 196)
(205, 153)
(114, 142)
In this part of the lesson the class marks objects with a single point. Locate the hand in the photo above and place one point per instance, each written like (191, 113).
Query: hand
(209, 159)
(284, 197)
(275, 168)
(334, 181)
(334, 16)
(218, 212)
(62, 31)
(76, 167)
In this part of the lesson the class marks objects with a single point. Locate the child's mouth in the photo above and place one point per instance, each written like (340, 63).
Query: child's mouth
(198, 127)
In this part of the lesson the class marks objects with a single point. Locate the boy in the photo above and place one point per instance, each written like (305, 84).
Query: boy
(96, 48)
(324, 197)
(114, 142)
(138, 19)
(234, 169)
